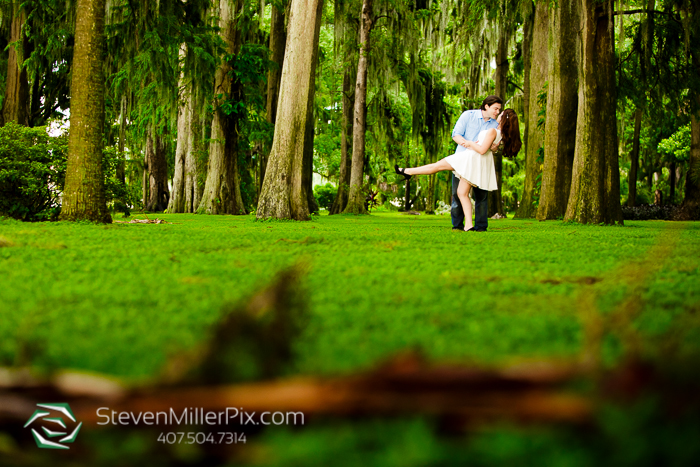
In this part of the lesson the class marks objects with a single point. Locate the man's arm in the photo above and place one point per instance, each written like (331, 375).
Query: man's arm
(460, 129)
(459, 139)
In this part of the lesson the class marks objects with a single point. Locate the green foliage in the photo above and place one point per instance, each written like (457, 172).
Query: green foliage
(677, 145)
(117, 194)
(32, 172)
(325, 194)
(49, 30)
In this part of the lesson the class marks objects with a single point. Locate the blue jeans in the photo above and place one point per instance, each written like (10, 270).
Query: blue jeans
(481, 207)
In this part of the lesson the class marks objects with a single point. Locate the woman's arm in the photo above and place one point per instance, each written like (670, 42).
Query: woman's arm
(483, 146)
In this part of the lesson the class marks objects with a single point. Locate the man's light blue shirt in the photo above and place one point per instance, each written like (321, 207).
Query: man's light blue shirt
(470, 124)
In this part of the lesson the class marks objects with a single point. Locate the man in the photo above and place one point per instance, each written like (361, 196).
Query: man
(470, 123)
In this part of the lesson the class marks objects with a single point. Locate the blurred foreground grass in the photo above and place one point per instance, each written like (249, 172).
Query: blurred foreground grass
(121, 298)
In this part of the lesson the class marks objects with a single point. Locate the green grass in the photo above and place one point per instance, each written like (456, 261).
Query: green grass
(121, 298)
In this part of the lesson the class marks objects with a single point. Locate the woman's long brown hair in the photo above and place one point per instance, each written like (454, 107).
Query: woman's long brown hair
(510, 131)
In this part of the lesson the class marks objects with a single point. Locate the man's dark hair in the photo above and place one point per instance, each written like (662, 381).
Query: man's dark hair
(490, 101)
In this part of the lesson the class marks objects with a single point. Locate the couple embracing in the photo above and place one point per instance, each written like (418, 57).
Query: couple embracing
(477, 133)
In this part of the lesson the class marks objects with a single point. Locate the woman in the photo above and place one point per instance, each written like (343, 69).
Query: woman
(475, 166)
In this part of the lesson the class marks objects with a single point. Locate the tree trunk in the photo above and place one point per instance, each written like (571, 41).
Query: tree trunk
(194, 166)
(84, 195)
(222, 190)
(495, 200)
(157, 174)
(307, 180)
(562, 107)
(144, 182)
(528, 11)
(278, 41)
(284, 194)
(341, 198)
(538, 63)
(184, 116)
(15, 107)
(634, 159)
(690, 209)
(407, 197)
(595, 187)
(672, 182)
(356, 199)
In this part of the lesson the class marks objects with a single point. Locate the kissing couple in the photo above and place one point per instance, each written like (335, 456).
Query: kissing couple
(477, 133)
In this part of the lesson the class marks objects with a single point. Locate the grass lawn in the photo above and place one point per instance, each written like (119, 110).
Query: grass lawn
(120, 299)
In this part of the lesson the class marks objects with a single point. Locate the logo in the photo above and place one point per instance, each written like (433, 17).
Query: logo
(47, 415)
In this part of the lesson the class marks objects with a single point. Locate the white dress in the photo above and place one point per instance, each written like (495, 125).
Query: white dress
(478, 169)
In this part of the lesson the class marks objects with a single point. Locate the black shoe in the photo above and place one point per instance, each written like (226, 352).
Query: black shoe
(470, 230)
(457, 229)
(402, 172)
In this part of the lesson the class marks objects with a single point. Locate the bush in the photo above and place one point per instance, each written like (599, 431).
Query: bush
(325, 194)
(32, 172)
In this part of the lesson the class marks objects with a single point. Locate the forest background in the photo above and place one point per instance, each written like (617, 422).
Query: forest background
(606, 94)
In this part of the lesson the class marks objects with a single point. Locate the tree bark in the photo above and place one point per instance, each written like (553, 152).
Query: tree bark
(15, 107)
(356, 199)
(222, 190)
(157, 174)
(284, 194)
(538, 63)
(595, 187)
(634, 159)
(672, 182)
(194, 165)
(84, 195)
(562, 109)
(495, 200)
(184, 116)
(348, 103)
(690, 208)
(307, 180)
(278, 42)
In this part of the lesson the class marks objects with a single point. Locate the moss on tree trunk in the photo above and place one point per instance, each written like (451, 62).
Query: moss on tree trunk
(562, 109)
(690, 209)
(595, 187)
(222, 190)
(15, 106)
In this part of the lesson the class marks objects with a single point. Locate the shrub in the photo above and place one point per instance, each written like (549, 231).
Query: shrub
(325, 194)
(32, 172)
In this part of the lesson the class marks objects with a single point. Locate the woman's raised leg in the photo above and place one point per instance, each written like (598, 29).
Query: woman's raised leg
(463, 195)
(436, 167)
